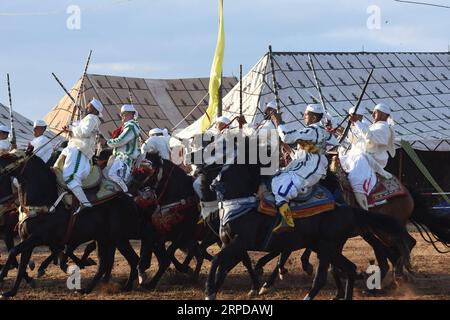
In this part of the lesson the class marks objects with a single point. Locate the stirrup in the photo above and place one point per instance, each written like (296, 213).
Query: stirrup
(283, 226)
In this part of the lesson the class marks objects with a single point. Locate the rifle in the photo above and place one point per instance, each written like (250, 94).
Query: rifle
(319, 89)
(64, 88)
(77, 108)
(344, 135)
(12, 138)
(274, 80)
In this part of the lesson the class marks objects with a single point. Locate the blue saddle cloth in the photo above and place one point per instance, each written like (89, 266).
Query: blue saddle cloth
(317, 196)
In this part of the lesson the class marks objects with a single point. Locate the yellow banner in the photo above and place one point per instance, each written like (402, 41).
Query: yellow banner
(215, 77)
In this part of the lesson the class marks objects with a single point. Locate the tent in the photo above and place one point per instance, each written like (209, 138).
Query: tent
(22, 126)
(415, 85)
(160, 103)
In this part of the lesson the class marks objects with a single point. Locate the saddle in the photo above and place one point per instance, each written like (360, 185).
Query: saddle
(97, 188)
(166, 218)
(317, 200)
(384, 189)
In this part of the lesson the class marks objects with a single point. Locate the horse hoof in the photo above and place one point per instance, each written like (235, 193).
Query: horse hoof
(252, 293)
(142, 277)
(40, 273)
(307, 297)
(32, 265)
(211, 297)
(264, 290)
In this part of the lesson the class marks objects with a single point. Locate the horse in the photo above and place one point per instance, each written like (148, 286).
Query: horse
(325, 233)
(172, 206)
(409, 206)
(111, 224)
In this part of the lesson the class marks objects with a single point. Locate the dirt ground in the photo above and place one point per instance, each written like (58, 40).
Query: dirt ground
(432, 279)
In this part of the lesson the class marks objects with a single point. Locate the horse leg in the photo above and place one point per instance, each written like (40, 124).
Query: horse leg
(10, 224)
(105, 257)
(145, 259)
(380, 253)
(284, 256)
(263, 261)
(163, 262)
(337, 279)
(209, 239)
(171, 253)
(132, 258)
(24, 245)
(306, 265)
(324, 253)
(85, 260)
(44, 265)
(24, 259)
(282, 262)
(349, 268)
(107, 275)
(247, 262)
(199, 257)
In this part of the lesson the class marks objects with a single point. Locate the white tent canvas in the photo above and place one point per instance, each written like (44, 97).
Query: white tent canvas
(415, 85)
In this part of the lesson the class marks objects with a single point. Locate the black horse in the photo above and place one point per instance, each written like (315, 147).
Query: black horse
(110, 224)
(172, 207)
(325, 233)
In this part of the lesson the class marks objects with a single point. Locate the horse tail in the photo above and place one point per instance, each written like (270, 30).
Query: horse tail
(390, 231)
(437, 222)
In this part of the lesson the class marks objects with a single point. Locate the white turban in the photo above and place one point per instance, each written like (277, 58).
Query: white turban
(39, 123)
(4, 128)
(98, 106)
(272, 104)
(127, 108)
(316, 108)
(383, 108)
(156, 131)
(223, 119)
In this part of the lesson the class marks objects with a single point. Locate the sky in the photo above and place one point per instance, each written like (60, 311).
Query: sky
(176, 38)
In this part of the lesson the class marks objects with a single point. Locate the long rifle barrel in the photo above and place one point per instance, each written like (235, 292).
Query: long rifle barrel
(11, 114)
(62, 86)
(274, 80)
(316, 79)
(344, 135)
(77, 108)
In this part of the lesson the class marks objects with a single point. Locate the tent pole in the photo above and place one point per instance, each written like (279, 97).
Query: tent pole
(220, 106)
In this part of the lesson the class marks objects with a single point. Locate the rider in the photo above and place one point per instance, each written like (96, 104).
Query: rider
(125, 147)
(309, 163)
(158, 142)
(80, 149)
(40, 143)
(5, 145)
(371, 155)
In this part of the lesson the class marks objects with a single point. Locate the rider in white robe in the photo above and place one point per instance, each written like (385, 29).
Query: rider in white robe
(80, 149)
(309, 163)
(370, 154)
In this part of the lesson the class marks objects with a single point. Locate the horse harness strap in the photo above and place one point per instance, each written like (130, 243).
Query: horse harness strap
(164, 189)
